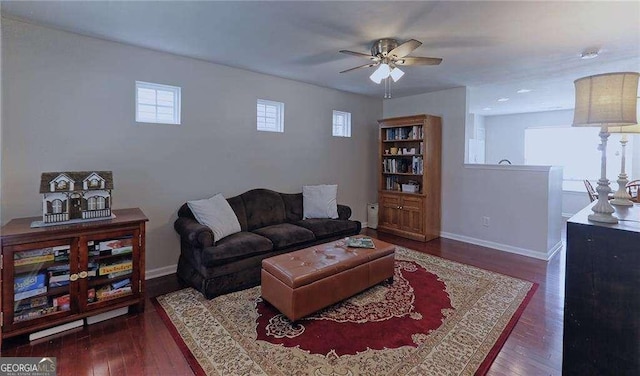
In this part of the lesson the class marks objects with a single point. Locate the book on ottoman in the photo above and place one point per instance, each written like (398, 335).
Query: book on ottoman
(361, 243)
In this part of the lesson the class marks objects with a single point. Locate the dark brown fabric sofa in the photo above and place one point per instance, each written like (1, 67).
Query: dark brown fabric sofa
(271, 224)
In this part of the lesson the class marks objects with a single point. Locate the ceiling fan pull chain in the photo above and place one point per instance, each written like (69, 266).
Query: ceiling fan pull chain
(387, 88)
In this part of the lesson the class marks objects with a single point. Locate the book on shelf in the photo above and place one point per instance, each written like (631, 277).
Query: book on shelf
(29, 293)
(106, 292)
(33, 260)
(36, 302)
(63, 302)
(119, 284)
(106, 269)
(404, 133)
(36, 256)
(33, 313)
(361, 243)
(28, 282)
(116, 246)
(92, 269)
(119, 274)
(58, 269)
(92, 248)
(32, 253)
(60, 283)
(58, 275)
(61, 254)
(91, 295)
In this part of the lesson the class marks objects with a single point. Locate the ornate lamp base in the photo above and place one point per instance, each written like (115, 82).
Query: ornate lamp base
(602, 210)
(621, 197)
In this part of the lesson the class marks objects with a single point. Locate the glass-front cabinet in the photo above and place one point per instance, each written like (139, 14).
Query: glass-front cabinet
(41, 288)
(110, 271)
(58, 274)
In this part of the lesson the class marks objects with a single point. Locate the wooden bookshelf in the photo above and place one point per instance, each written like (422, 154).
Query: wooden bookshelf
(410, 153)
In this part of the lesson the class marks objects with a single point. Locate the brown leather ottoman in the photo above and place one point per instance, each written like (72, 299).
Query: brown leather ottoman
(305, 281)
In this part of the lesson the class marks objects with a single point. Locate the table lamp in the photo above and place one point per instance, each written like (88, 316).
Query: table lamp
(605, 100)
(622, 197)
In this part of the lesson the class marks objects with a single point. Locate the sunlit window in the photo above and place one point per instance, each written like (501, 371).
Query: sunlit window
(156, 103)
(576, 150)
(341, 124)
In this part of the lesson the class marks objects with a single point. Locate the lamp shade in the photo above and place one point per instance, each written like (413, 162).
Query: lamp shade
(626, 129)
(606, 100)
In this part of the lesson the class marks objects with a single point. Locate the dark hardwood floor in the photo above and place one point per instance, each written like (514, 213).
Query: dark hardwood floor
(140, 344)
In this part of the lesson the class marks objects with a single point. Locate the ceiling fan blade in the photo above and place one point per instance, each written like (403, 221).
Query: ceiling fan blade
(359, 54)
(416, 60)
(404, 49)
(362, 66)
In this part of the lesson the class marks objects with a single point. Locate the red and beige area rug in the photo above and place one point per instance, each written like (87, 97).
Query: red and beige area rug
(438, 317)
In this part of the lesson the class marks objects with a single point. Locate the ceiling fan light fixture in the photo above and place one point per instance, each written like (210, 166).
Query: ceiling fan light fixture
(381, 73)
(396, 74)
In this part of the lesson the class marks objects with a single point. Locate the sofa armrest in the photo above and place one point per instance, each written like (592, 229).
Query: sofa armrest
(194, 233)
(344, 212)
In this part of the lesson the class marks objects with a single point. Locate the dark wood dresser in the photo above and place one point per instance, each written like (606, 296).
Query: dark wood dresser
(602, 295)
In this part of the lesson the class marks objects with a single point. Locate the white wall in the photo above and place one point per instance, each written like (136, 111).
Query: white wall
(516, 199)
(505, 139)
(505, 133)
(69, 105)
(475, 139)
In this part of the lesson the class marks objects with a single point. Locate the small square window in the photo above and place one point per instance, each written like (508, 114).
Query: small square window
(270, 116)
(341, 124)
(156, 103)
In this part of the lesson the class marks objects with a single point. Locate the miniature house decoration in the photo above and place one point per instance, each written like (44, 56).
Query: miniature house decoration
(75, 196)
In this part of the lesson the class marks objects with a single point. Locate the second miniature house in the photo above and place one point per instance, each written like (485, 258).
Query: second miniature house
(75, 195)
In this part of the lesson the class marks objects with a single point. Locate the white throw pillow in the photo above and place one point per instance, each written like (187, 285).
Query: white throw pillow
(319, 201)
(216, 213)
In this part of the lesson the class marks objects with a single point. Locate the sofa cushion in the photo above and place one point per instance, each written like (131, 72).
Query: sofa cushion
(237, 246)
(263, 207)
(292, 206)
(216, 213)
(237, 205)
(324, 228)
(286, 235)
(319, 201)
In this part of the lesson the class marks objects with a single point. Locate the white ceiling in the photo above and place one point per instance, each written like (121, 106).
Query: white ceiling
(495, 48)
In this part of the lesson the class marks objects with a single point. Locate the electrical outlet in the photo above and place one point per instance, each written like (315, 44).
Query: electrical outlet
(486, 221)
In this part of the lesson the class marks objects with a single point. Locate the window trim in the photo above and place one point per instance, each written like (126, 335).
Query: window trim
(56, 206)
(279, 115)
(177, 102)
(346, 127)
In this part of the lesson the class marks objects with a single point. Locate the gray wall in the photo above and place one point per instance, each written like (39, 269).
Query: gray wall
(471, 192)
(69, 105)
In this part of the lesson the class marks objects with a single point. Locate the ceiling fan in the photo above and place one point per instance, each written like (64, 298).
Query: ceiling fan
(387, 54)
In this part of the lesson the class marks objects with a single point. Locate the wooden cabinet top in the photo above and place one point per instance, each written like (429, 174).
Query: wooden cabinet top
(406, 120)
(21, 227)
(628, 216)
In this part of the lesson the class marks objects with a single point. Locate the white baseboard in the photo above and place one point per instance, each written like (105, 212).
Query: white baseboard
(365, 224)
(160, 272)
(56, 330)
(556, 248)
(504, 247)
(567, 215)
(107, 315)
